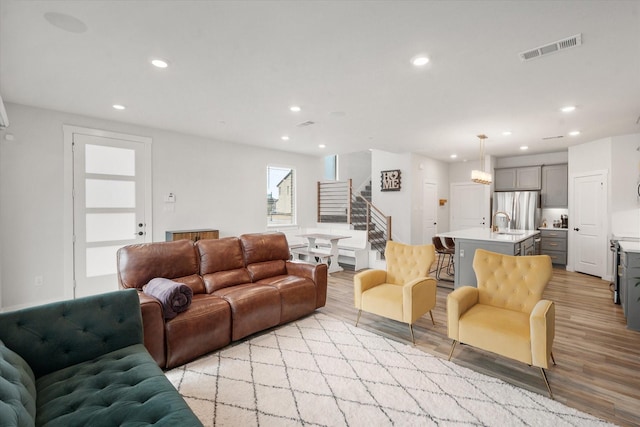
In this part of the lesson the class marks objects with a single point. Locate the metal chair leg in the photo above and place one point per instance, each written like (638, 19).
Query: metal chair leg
(552, 359)
(413, 340)
(453, 345)
(433, 321)
(358, 319)
(544, 376)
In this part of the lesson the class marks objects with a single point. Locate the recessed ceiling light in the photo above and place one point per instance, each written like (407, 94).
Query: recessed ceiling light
(160, 63)
(574, 133)
(419, 61)
(284, 138)
(453, 156)
(568, 108)
(524, 147)
(119, 106)
(321, 146)
(506, 133)
(295, 108)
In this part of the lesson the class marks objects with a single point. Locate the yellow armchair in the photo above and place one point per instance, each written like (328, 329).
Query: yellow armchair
(403, 292)
(506, 314)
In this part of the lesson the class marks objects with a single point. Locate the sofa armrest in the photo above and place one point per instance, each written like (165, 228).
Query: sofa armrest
(458, 302)
(416, 296)
(153, 327)
(542, 323)
(60, 334)
(366, 280)
(317, 273)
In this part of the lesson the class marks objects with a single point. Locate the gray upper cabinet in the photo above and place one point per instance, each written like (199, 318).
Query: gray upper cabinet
(516, 179)
(555, 182)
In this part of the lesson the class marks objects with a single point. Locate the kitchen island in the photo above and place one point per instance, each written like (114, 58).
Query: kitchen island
(508, 242)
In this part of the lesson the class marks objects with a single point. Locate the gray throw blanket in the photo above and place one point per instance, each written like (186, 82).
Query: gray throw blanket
(175, 297)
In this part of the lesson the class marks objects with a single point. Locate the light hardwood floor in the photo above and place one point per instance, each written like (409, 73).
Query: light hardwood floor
(598, 358)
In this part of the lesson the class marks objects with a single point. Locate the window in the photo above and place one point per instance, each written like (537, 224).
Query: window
(281, 196)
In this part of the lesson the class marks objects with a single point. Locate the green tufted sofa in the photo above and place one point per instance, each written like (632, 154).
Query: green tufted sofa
(82, 363)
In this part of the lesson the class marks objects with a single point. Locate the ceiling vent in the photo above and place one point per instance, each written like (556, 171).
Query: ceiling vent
(547, 49)
(305, 124)
(546, 138)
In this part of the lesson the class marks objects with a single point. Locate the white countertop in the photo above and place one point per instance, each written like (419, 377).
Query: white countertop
(630, 246)
(485, 234)
(553, 228)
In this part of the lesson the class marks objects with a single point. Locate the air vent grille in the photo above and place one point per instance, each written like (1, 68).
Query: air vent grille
(305, 124)
(557, 46)
(551, 137)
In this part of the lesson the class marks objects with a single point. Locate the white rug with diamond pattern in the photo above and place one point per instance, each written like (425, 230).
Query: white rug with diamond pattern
(320, 371)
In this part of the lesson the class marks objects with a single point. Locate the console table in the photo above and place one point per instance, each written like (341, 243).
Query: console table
(194, 235)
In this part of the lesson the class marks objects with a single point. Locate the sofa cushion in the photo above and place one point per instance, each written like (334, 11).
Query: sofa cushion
(124, 387)
(17, 390)
(204, 327)
(138, 264)
(297, 296)
(261, 247)
(222, 263)
(253, 308)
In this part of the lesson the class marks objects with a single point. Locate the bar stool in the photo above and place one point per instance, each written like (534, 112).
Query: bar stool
(442, 254)
(451, 244)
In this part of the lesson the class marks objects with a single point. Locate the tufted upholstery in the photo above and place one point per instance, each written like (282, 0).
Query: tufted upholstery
(505, 314)
(403, 292)
(89, 367)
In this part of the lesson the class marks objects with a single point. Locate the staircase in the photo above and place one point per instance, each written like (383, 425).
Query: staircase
(337, 203)
(365, 216)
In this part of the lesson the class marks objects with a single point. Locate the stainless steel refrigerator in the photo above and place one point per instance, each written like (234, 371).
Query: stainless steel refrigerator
(523, 208)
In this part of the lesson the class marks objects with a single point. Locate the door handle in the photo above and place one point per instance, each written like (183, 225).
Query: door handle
(576, 229)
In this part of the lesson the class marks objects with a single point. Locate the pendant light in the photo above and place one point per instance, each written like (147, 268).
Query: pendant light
(480, 176)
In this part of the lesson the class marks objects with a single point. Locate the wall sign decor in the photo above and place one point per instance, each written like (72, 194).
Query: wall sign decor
(390, 180)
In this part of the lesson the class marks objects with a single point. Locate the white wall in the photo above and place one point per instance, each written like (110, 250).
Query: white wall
(625, 178)
(405, 206)
(427, 169)
(397, 204)
(217, 185)
(355, 166)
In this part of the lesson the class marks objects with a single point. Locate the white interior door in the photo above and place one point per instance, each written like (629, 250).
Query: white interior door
(590, 246)
(111, 206)
(429, 211)
(470, 207)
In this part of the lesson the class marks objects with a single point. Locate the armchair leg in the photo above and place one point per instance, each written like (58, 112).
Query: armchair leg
(358, 319)
(552, 358)
(544, 376)
(453, 346)
(432, 321)
(413, 340)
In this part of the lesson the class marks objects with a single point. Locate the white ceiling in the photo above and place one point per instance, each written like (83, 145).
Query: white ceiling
(236, 67)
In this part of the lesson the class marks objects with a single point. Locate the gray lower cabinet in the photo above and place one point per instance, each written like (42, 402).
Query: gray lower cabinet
(466, 250)
(554, 244)
(630, 288)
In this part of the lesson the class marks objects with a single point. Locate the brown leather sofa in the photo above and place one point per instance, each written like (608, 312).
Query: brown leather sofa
(241, 285)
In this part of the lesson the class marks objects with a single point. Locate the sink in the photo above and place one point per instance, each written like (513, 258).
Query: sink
(511, 233)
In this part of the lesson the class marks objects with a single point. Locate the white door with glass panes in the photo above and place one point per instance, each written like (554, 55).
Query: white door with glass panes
(111, 205)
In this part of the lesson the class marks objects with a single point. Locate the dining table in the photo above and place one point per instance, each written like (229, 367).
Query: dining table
(333, 252)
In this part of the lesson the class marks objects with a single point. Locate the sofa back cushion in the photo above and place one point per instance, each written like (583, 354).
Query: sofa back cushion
(17, 390)
(221, 263)
(56, 335)
(265, 254)
(178, 261)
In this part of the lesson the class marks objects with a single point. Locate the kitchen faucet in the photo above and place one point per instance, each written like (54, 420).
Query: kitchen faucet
(493, 220)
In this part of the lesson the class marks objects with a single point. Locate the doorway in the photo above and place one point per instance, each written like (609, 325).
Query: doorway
(111, 199)
(589, 246)
(429, 211)
(470, 206)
